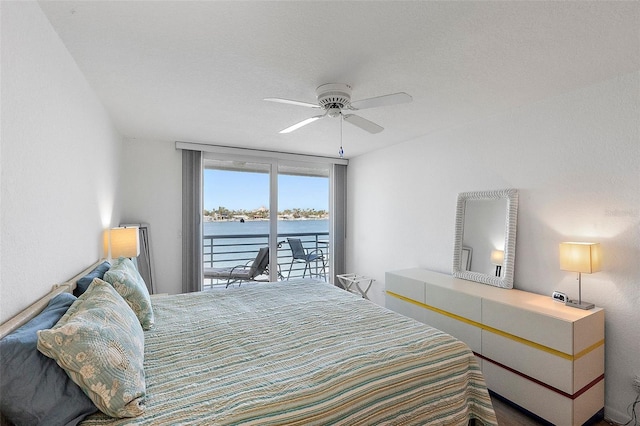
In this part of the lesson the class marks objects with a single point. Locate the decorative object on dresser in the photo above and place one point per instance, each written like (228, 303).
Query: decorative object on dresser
(467, 257)
(580, 258)
(539, 354)
(486, 221)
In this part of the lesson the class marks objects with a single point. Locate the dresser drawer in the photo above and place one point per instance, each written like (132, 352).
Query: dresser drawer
(557, 371)
(407, 309)
(453, 302)
(588, 367)
(588, 331)
(405, 286)
(542, 401)
(469, 334)
(532, 396)
(537, 327)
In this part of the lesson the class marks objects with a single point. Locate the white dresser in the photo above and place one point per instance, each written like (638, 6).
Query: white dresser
(538, 353)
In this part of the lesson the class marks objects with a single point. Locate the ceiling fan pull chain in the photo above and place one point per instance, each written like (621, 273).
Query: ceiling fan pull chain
(341, 152)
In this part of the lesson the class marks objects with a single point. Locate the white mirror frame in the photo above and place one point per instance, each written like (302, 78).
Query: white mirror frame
(506, 280)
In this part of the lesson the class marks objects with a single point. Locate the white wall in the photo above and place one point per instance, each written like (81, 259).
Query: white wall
(59, 159)
(152, 193)
(576, 162)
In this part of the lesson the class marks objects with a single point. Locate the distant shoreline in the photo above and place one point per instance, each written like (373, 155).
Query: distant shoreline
(262, 227)
(209, 219)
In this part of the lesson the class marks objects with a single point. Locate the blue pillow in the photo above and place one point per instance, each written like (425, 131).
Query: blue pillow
(34, 389)
(83, 283)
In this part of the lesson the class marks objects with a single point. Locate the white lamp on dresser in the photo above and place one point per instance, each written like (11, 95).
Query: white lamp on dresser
(580, 258)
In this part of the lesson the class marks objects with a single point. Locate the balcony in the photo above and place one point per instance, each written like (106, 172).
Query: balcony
(221, 251)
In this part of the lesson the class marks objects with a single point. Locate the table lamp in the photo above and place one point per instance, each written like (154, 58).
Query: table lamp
(580, 258)
(124, 242)
(497, 258)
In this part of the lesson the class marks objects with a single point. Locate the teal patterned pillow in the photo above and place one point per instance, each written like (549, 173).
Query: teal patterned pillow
(126, 279)
(100, 344)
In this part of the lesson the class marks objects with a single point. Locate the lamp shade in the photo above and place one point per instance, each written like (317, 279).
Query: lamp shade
(497, 257)
(124, 242)
(580, 257)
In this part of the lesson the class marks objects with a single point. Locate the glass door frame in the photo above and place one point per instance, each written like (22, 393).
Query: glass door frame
(274, 159)
(329, 170)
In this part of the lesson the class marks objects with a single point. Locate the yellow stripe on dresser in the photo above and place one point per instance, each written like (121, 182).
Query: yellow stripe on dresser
(500, 332)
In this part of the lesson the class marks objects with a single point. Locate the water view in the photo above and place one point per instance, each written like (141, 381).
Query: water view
(232, 243)
(262, 227)
(236, 212)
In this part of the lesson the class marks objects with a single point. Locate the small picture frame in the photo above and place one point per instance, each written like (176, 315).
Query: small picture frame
(466, 258)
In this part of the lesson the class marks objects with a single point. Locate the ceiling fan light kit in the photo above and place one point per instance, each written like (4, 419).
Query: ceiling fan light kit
(334, 95)
(335, 98)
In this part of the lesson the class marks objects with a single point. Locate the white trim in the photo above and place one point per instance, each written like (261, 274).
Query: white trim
(332, 222)
(273, 221)
(264, 154)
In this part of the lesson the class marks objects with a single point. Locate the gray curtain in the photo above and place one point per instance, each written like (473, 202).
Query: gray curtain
(340, 219)
(192, 275)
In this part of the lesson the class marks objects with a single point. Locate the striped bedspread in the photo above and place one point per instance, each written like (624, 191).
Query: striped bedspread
(301, 353)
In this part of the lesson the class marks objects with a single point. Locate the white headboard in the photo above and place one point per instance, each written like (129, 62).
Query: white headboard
(35, 308)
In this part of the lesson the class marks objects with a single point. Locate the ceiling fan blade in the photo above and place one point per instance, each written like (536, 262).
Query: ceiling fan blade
(302, 123)
(290, 102)
(393, 99)
(363, 123)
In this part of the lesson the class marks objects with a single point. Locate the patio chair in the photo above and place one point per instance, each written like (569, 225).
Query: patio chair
(242, 273)
(300, 254)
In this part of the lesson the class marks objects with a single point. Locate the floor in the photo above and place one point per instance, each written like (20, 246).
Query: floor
(510, 416)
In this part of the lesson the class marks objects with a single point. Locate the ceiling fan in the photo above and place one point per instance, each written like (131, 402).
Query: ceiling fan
(335, 99)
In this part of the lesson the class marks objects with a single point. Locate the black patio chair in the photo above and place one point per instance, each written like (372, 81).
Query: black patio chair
(299, 254)
(242, 273)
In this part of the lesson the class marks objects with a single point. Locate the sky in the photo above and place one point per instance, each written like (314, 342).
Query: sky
(249, 191)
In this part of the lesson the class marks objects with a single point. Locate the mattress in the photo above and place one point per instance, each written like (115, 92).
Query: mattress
(301, 352)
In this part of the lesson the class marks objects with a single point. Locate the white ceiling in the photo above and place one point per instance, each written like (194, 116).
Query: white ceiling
(198, 71)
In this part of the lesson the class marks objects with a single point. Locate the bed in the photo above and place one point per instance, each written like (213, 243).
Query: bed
(299, 352)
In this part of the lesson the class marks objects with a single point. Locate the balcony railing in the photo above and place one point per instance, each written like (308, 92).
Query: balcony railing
(220, 251)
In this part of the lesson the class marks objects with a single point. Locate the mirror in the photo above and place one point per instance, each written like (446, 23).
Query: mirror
(485, 237)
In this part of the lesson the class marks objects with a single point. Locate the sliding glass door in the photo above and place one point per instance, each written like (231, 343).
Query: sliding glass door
(303, 221)
(251, 203)
(235, 216)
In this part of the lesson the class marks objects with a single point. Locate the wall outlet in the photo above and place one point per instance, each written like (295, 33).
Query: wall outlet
(636, 383)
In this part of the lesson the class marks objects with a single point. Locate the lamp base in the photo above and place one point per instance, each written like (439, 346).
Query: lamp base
(580, 305)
